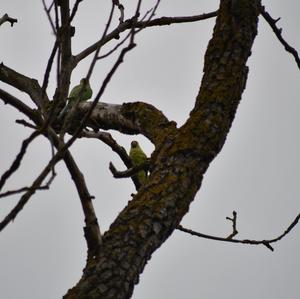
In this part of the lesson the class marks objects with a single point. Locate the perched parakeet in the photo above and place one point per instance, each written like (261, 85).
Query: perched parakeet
(138, 157)
(80, 93)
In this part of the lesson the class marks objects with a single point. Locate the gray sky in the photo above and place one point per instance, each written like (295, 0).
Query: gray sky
(257, 173)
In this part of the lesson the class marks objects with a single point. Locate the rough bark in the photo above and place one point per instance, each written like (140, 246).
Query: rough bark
(23, 83)
(179, 161)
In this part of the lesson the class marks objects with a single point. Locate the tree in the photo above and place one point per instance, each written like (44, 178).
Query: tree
(181, 156)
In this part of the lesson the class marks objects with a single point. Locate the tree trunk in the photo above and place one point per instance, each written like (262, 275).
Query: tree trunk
(178, 163)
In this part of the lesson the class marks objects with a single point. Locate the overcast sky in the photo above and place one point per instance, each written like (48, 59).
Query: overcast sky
(43, 251)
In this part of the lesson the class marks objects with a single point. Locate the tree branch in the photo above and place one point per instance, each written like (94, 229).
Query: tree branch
(12, 192)
(128, 172)
(128, 118)
(121, 9)
(140, 24)
(278, 32)
(74, 9)
(179, 161)
(111, 142)
(6, 18)
(31, 190)
(47, 11)
(23, 83)
(91, 230)
(19, 105)
(266, 243)
(120, 150)
(17, 162)
(163, 21)
(48, 68)
(65, 34)
(233, 220)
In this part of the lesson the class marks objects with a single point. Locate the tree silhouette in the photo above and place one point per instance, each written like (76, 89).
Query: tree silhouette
(181, 156)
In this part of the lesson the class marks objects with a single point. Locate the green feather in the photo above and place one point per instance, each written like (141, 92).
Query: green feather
(138, 157)
(80, 93)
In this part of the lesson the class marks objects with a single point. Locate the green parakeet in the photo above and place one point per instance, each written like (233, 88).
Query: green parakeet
(138, 157)
(80, 93)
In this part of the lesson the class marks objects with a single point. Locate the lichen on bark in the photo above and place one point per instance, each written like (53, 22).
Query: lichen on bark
(179, 161)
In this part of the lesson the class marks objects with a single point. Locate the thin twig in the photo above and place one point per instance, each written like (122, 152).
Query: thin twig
(26, 124)
(74, 10)
(59, 48)
(111, 142)
(48, 68)
(93, 63)
(233, 220)
(152, 14)
(24, 189)
(115, 47)
(141, 24)
(121, 8)
(25, 197)
(266, 243)
(118, 149)
(278, 32)
(48, 10)
(16, 163)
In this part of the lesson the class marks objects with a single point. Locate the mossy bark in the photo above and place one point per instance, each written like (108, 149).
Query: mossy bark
(179, 161)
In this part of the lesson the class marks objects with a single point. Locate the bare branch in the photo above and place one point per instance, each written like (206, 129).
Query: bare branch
(91, 230)
(26, 124)
(151, 14)
(48, 68)
(128, 118)
(66, 50)
(19, 105)
(115, 47)
(129, 172)
(6, 18)
(31, 190)
(142, 24)
(93, 63)
(108, 140)
(233, 220)
(12, 192)
(23, 83)
(74, 10)
(15, 165)
(163, 21)
(120, 150)
(278, 32)
(266, 243)
(121, 8)
(47, 11)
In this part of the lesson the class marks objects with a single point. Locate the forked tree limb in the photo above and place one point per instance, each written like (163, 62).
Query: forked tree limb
(92, 230)
(266, 242)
